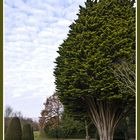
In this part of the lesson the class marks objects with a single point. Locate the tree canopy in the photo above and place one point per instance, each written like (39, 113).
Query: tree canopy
(102, 36)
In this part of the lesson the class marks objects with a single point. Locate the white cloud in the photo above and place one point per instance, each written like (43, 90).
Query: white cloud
(33, 32)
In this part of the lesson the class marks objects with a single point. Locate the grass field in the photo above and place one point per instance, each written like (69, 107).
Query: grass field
(37, 137)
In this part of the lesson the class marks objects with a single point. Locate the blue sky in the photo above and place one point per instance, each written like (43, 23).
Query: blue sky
(33, 31)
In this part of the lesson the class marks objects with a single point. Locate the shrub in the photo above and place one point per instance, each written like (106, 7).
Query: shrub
(27, 132)
(14, 131)
(32, 133)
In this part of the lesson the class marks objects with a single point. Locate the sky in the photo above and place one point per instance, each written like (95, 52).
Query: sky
(33, 31)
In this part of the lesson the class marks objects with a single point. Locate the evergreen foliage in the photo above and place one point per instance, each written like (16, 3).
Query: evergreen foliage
(14, 131)
(69, 128)
(32, 133)
(27, 132)
(101, 37)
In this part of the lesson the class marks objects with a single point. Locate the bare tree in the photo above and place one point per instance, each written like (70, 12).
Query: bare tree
(125, 73)
(8, 112)
(18, 114)
(52, 112)
(7, 117)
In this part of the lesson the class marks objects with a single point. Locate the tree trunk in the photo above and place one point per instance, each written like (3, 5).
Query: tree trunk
(105, 134)
(105, 117)
(105, 131)
(86, 127)
(126, 134)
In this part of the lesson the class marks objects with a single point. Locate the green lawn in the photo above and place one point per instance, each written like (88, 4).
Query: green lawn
(37, 137)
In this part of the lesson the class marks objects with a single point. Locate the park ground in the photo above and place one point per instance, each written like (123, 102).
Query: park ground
(37, 137)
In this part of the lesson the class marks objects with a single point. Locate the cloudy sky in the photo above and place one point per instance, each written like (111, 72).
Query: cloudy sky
(33, 31)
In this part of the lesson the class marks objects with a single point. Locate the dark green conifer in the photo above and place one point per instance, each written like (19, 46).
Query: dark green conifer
(14, 131)
(102, 37)
(27, 133)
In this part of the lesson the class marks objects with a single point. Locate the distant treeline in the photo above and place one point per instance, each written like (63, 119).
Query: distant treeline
(9, 114)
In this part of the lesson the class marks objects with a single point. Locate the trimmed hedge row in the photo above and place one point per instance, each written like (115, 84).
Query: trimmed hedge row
(15, 131)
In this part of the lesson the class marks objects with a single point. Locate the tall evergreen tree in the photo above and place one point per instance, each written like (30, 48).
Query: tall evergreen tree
(14, 131)
(101, 37)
